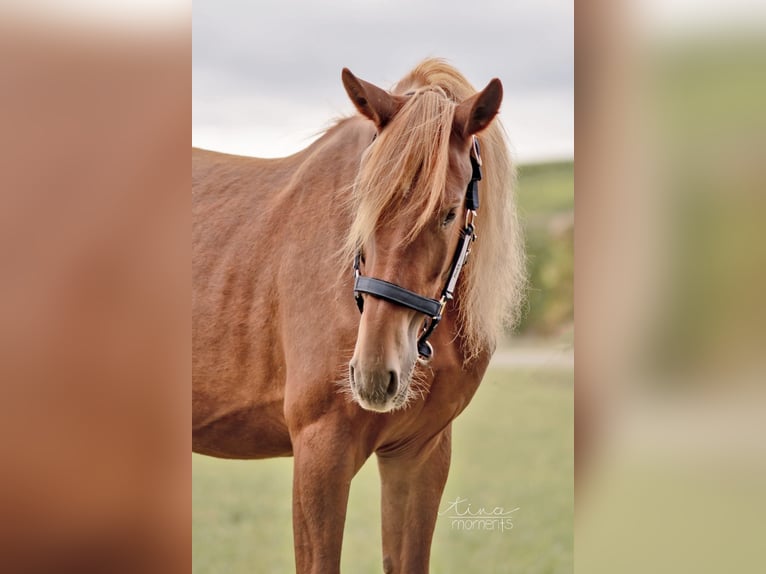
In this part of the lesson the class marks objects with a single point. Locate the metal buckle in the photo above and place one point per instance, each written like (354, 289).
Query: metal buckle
(357, 261)
(476, 150)
(470, 216)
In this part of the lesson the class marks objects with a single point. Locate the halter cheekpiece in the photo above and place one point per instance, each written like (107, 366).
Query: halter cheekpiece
(433, 309)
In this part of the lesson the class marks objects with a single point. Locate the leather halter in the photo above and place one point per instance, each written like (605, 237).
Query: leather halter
(433, 309)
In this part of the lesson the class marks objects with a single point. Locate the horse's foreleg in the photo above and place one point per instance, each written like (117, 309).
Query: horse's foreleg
(322, 474)
(412, 486)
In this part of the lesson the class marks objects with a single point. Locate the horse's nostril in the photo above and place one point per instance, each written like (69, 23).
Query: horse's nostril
(351, 375)
(393, 383)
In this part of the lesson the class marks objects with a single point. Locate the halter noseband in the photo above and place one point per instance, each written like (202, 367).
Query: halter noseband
(432, 308)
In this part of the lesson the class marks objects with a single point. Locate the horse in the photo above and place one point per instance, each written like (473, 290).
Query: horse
(373, 216)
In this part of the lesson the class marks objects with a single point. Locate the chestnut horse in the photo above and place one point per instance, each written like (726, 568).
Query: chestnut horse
(284, 364)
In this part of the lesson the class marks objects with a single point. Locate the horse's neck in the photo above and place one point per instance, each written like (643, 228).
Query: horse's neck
(333, 159)
(310, 209)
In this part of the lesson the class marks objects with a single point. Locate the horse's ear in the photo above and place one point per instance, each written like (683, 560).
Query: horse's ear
(478, 111)
(371, 101)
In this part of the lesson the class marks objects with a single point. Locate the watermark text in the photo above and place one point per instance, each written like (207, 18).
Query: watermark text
(464, 516)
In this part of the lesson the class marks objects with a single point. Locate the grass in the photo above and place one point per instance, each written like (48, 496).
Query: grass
(511, 448)
(546, 204)
(545, 189)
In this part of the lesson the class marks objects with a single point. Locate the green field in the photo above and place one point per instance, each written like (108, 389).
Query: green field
(513, 447)
(544, 189)
(546, 208)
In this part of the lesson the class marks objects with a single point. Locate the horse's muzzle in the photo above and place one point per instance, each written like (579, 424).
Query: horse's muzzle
(375, 389)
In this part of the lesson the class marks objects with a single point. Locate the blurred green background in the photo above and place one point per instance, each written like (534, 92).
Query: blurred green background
(512, 448)
(546, 208)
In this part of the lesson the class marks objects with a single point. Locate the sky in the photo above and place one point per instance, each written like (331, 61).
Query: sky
(266, 74)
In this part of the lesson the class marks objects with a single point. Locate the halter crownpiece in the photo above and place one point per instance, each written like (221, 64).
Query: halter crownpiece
(433, 309)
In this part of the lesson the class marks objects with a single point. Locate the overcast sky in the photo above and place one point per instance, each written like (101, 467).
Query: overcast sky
(266, 73)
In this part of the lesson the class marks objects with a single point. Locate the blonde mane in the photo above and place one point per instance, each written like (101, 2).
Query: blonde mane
(404, 173)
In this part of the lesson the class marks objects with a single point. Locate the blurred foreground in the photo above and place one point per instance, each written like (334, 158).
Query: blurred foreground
(670, 417)
(94, 289)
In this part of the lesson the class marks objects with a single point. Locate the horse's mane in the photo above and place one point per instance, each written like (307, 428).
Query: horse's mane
(406, 175)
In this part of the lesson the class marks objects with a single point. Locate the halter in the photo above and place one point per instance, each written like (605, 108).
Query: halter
(433, 309)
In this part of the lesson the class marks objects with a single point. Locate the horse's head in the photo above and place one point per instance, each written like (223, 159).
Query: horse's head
(410, 208)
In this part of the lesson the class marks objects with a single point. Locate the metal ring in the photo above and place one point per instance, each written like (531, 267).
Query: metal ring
(425, 360)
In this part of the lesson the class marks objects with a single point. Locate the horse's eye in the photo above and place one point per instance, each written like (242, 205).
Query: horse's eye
(450, 217)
